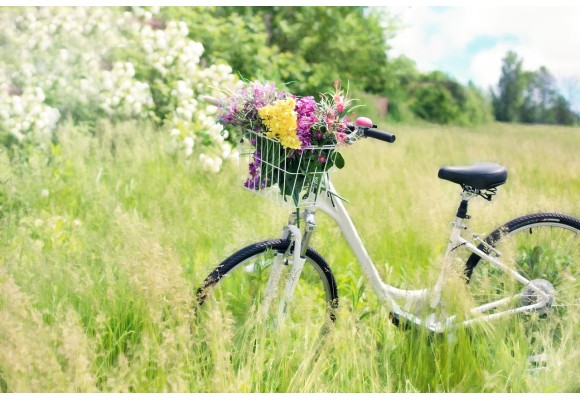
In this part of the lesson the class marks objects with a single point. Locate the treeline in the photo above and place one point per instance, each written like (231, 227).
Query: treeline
(310, 47)
(530, 96)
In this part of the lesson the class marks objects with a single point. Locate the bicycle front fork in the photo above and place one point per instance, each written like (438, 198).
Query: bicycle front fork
(298, 259)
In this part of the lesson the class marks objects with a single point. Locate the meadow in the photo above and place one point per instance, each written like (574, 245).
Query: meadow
(106, 237)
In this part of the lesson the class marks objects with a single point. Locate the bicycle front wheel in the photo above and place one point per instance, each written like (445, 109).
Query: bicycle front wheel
(237, 287)
(545, 249)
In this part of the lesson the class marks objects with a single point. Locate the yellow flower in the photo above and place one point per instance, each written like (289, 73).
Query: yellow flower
(280, 119)
(290, 141)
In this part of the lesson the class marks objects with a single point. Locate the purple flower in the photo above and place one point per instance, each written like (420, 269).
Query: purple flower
(240, 109)
(306, 110)
(255, 182)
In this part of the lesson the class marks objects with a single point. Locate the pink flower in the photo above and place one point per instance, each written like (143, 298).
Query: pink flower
(339, 101)
(341, 137)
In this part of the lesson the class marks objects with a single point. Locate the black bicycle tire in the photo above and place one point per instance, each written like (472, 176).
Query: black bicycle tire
(516, 224)
(279, 245)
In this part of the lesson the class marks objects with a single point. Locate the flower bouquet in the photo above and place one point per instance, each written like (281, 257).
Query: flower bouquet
(294, 140)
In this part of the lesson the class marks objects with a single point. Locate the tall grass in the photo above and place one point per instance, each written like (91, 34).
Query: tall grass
(105, 240)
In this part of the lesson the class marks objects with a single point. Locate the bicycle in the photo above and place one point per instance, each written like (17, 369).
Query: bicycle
(528, 265)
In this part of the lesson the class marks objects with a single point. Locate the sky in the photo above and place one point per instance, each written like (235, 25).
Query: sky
(470, 42)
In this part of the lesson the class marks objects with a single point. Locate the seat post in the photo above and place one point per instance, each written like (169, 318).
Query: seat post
(454, 242)
(462, 209)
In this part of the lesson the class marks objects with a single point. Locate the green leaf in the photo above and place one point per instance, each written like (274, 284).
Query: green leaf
(338, 160)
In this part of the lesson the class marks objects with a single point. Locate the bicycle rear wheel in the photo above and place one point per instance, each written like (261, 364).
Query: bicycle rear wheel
(544, 248)
(236, 288)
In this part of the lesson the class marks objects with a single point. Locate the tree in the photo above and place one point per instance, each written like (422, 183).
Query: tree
(441, 99)
(236, 39)
(437, 98)
(508, 100)
(348, 42)
(531, 96)
(542, 102)
(571, 88)
(309, 47)
(530, 109)
(400, 74)
(562, 112)
(477, 108)
(548, 93)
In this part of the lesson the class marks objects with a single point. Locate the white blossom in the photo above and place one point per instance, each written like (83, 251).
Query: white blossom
(189, 143)
(60, 53)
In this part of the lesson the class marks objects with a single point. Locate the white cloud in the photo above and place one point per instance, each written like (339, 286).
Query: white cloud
(548, 36)
(485, 65)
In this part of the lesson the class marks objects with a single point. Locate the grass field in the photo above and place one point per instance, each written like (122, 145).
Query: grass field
(105, 240)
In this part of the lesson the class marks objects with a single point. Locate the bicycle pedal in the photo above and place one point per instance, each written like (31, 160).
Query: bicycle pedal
(396, 320)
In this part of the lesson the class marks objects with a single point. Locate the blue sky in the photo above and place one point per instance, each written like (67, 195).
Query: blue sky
(470, 42)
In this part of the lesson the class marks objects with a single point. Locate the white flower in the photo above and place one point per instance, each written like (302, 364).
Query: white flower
(234, 156)
(61, 50)
(137, 108)
(52, 116)
(206, 162)
(226, 150)
(211, 164)
(39, 94)
(63, 53)
(183, 28)
(44, 193)
(217, 164)
(188, 142)
(108, 83)
(17, 108)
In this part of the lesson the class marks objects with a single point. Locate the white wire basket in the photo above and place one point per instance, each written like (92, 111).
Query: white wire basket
(288, 178)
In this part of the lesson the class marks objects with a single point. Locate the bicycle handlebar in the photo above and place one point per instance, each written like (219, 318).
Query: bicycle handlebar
(368, 129)
(380, 135)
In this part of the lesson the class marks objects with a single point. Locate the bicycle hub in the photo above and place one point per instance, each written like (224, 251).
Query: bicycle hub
(532, 296)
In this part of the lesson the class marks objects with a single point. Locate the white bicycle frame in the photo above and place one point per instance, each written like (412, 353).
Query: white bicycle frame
(401, 302)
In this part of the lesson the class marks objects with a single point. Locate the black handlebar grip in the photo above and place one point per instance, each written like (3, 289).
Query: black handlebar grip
(380, 135)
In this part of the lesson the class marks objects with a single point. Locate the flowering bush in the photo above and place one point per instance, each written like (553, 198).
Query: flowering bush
(104, 62)
(27, 114)
(295, 139)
